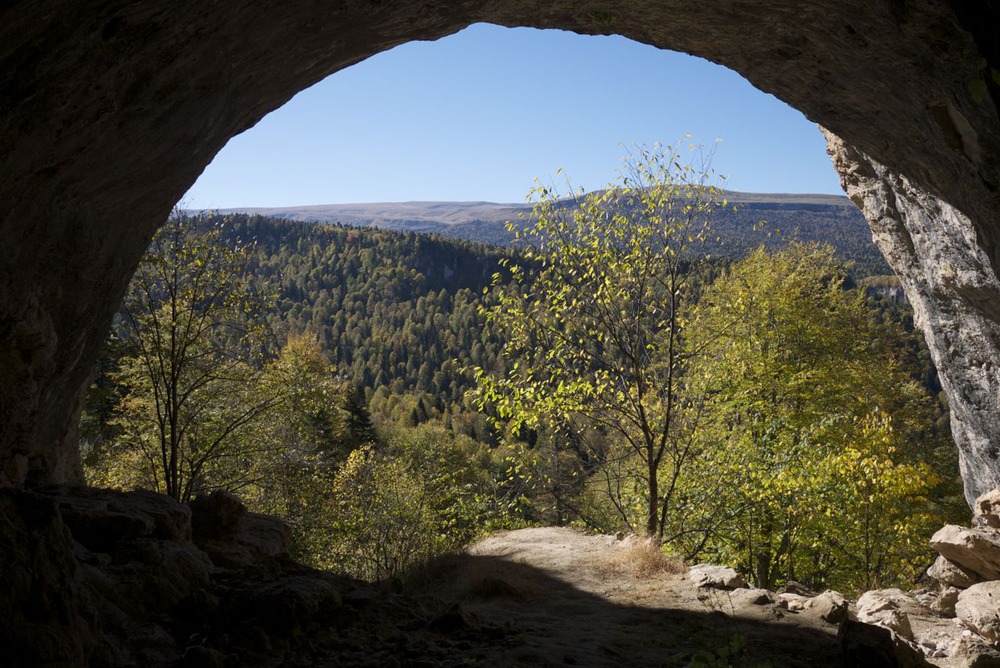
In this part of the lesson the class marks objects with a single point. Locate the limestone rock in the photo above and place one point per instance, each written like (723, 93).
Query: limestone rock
(987, 508)
(971, 651)
(830, 606)
(217, 515)
(951, 574)
(41, 620)
(100, 518)
(793, 587)
(950, 278)
(285, 604)
(870, 646)
(793, 602)
(978, 607)
(106, 578)
(877, 607)
(976, 550)
(945, 602)
(716, 577)
(742, 598)
(261, 538)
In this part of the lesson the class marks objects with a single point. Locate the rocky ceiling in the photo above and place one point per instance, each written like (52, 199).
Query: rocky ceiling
(110, 109)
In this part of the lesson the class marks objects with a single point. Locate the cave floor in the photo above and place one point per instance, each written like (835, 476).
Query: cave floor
(558, 597)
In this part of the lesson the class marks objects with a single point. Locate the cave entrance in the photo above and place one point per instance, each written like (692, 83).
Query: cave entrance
(98, 153)
(617, 92)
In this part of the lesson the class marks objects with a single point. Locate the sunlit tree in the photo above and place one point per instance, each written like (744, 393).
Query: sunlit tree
(593, 319)
(812, 422)
(192, 359)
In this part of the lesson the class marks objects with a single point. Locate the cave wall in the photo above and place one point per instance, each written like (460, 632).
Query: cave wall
(110, 109)
(953, 288)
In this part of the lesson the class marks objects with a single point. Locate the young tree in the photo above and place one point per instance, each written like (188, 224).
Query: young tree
(814, 423)
(592, 322)
(193, 356)
(306, 434)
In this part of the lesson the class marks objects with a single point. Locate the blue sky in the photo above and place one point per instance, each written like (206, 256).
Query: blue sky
(480, 114)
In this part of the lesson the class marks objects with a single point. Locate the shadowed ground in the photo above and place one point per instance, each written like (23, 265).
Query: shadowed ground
(555, 597)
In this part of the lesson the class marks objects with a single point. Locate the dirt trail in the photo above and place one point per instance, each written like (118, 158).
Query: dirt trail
(558, 597)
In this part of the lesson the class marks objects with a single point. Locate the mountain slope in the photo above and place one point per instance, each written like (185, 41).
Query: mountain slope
(807, 217)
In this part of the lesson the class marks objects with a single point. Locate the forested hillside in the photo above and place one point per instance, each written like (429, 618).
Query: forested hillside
(395, 312)
(823, 218)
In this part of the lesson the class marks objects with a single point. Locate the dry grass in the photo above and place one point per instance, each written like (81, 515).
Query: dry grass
(640, 558)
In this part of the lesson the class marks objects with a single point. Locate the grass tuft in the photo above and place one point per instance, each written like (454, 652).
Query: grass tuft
(641, 558)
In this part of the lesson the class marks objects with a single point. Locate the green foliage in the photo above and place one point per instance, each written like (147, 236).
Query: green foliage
(190, 342)
(592, 333)
(423, 492)
(393, 310)
(819, 434)
(307, 435)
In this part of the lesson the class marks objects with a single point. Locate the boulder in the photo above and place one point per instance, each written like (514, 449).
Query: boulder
(716, 577)
(793, 602)
(975, 550)
(793, 587)
(830, 606)
(41, 620)
(971, 651)
(951, 574)
(869, 646)
(101, 518)
(742, 598)
(878, 607)
(261, 538)
(987, 508)
(217, 515)
(287, 604)
(978, 607)
(944, 603)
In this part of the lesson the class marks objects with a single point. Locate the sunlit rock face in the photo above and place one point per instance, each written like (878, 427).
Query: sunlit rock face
(109, 110)
(951, 282)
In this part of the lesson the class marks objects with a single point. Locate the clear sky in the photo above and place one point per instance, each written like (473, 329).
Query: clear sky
(480, 114)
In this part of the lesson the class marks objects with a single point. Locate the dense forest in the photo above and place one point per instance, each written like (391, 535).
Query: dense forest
(738, 229)
(347, 363)
(392, 310)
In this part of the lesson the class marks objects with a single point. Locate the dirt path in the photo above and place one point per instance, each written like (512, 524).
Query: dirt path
(558, 597)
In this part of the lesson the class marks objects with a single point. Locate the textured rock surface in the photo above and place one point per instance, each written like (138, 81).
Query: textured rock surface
(944, 603)
(111, 108)
(870, 646)
(876, 607)
(978, 607)
(951, 574)
(831, 606)
(947, 262)
(104, 578)
(987, 508)
(716, 577)
(970, 651)
(976, 550)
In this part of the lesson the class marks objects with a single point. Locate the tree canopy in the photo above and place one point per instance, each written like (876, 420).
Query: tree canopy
(592, 336)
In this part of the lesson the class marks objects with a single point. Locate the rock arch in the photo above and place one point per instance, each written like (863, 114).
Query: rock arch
(111, 108)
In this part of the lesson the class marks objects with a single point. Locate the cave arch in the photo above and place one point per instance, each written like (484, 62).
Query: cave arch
(111, 109)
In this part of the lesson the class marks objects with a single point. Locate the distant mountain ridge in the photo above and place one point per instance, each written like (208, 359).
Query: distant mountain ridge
(827, 218)
(435, 214)
(392, 215)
